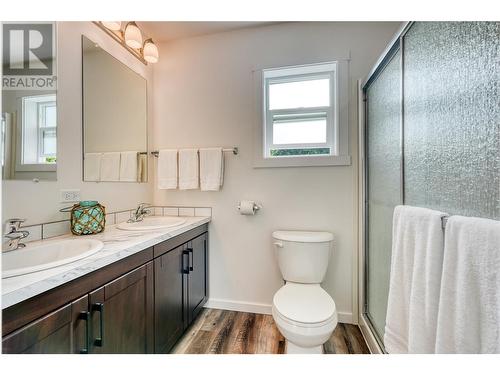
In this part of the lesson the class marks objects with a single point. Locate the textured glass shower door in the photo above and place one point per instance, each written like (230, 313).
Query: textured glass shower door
(432, 137)
(452, 117)
(383, 189)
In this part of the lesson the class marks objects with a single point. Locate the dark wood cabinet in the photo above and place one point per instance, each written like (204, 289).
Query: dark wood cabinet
(63, 331)
(140, 304)
(196, 277)
(180, 290)
(169, 297)
(121, 314)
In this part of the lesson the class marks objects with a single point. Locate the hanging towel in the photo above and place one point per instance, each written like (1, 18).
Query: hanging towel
(142, 167)
(92, 166)
(211, 169)
(167, 169)
(469, 307)
(416, 265)
(128, 166)
(188, 169)
(110, 166)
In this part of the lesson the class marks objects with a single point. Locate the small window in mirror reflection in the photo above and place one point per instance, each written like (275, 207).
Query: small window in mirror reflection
(39, 114)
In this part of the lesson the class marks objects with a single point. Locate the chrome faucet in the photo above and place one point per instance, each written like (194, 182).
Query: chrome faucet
(139, 213)
(14, 235)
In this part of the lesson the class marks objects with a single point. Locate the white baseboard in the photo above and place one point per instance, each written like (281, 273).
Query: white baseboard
(345, 317)
(225, 304)
(257, 308)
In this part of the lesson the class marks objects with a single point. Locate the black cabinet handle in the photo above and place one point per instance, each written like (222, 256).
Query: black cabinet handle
(99, 341)
(190, 258)
(85, 315)
(185, 269)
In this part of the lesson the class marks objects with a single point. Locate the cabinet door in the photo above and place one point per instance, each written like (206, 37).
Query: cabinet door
(197, 277)
(169, 292)
(62, 331)
(122, 314)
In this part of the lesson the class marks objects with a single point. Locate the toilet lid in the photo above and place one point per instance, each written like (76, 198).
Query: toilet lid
(304, 303)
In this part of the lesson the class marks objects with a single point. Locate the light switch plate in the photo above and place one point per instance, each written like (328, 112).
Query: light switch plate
(70, 195)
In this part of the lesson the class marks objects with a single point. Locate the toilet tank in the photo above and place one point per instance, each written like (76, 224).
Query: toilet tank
(303, 256)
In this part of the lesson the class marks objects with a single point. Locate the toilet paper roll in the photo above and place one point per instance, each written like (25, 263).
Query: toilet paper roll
(247, 207)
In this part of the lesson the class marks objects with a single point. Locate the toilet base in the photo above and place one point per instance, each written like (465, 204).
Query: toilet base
(295, 349)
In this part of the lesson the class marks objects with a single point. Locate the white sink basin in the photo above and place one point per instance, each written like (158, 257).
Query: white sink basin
(153, 223)
(47, 255)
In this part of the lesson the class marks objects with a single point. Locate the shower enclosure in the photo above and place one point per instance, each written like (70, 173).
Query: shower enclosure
(431, 138)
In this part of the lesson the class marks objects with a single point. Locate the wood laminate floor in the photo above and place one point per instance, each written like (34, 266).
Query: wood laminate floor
(232, 332)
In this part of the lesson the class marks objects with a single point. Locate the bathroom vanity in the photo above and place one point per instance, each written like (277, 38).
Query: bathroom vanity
(138, 296)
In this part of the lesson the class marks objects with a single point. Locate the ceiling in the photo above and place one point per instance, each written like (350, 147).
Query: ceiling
(168, 31)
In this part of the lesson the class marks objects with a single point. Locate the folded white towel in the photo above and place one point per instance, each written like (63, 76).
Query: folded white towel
(416, 265)
(92, 166)
(469, 308)
(128, 166)
(188, 169)
(211, 169)
(142, 168)
(167, 169)
(110, 166)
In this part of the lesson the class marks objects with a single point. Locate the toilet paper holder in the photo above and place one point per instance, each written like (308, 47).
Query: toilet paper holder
(256, 207)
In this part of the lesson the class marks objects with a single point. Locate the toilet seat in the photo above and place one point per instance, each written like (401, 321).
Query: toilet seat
(304, 305)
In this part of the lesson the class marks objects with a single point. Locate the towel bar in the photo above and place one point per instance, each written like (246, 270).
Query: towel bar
(234, 150)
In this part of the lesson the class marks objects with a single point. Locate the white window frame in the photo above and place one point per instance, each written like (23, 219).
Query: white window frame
(20, 165)
(42, 129)
(336, 116)
(299, 74)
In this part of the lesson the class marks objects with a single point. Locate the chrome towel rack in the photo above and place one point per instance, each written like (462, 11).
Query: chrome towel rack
(234, 150)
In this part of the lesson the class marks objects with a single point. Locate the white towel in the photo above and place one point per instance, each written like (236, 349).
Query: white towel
(416, 265)
(92, 166)
(211, 169)
(110, 166)
(469, 308)
(188, 169)
(142, 167)
(167, 169)
(128, 166)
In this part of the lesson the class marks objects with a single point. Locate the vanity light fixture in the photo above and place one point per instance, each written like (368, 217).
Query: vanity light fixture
(133, 35)
(150, 51)
(131, 38)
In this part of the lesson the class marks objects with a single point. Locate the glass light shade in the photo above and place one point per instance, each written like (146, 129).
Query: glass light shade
(133, 36)
(112, 25)
(150, 51)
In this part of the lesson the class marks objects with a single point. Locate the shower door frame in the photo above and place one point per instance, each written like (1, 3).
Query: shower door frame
(374, 342)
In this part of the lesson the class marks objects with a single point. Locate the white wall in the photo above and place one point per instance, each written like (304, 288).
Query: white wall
(39, 202)
(204, 96)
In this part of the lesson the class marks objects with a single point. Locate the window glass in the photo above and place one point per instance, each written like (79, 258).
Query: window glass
(300, 94)
(299, 131)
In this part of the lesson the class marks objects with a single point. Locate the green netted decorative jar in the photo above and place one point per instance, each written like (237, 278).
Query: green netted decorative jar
(88, 217)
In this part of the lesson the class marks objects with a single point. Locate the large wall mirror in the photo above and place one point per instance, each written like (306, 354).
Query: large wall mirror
(29, 123)
(114, 118)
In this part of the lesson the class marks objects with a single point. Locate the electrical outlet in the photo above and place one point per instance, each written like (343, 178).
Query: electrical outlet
(70, 195)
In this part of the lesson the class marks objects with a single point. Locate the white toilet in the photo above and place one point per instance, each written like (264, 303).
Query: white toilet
(304, 313)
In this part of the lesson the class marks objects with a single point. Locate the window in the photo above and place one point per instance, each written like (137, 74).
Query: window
(39, 128)
(300, 112)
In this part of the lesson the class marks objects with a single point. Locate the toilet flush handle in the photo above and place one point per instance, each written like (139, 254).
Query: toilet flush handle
(278, 244)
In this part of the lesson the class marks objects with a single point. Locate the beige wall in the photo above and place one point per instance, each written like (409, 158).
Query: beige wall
(204, 96)
(39, 202)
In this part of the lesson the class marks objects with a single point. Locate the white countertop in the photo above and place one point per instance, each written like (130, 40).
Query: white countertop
(118, 244)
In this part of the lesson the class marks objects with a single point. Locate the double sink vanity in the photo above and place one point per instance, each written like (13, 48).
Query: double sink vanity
(133, 288)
